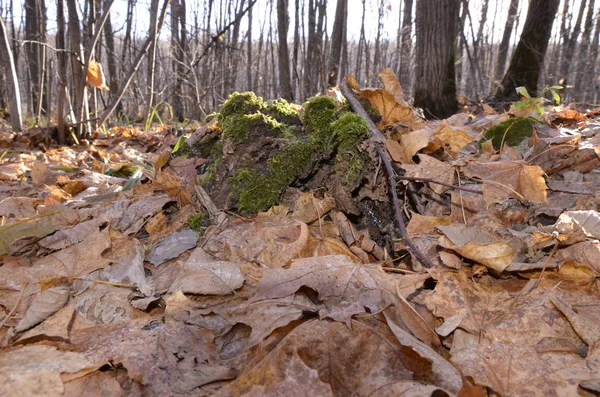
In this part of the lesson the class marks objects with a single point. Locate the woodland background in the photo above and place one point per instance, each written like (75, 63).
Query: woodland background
(181, 58)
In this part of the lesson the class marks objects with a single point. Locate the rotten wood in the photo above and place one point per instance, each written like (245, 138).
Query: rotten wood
(379, 141)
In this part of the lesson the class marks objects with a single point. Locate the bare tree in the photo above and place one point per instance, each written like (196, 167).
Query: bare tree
(283, 23)
(527, 60)
(568, 49)
(503, 48)
(8, 65)
(35, 34)
(337, 37)
(435, 88)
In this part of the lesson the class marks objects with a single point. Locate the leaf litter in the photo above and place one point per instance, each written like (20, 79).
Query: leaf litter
(108, 287)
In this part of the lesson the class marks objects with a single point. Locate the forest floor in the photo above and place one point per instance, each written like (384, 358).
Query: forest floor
(120, 276)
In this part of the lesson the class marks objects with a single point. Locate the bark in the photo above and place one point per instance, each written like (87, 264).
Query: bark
(77, 66)
(285, 82)
(61, 59)
(528, 58)
(594, 84)
(503, 47)
(112, 57)
(234, 57)
(569, 47)
(8, 66)
(435, 88)
(153, 34)
(406, 46)
(178, 50)
(249, 53)
(35, 34)
(337, 37)
(583, 57)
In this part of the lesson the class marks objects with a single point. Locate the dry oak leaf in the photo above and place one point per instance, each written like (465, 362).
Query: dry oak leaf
(489, 312)
(362, 361)
(431, 168)
(336, 278)
(37, 370)
(420, 225)
(475, 245)
(517, 370)
(505, 179)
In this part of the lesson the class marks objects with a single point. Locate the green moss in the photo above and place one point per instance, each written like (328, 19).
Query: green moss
(512, 132)
(242, 103)
(328, 127)
(318, 114)
(255, 192)
(349, 130)
(197, 222)
(281, 111)
(211, 117)
(371, 111)
(243, 113)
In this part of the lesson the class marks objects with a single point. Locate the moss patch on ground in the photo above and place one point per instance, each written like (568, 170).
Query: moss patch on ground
(510, 132)
(296, 143)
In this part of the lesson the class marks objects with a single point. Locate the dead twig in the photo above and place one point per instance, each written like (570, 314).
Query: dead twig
(379, 140)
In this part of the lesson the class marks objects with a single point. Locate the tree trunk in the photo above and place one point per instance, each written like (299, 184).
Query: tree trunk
(80, 103)
(8, 65)
(527, 60)
(569, 48)
(336, 42)
(503, 47)
(583, 58)
(406, 46)
(153, 35)
(435, 88)
(61, 59)
(109, 39)
(35, 33)
(145, 47)
(178, 48)
(285, 82)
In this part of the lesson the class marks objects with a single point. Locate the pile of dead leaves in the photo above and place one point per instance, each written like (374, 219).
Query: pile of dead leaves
(105, 289)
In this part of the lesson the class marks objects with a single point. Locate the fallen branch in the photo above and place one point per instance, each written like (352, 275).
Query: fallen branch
(379, 140)
(429, 180)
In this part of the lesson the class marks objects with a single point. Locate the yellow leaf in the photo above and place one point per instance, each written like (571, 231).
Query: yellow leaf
(95, 76)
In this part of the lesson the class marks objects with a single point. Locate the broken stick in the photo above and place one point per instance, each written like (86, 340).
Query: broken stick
(379, 140)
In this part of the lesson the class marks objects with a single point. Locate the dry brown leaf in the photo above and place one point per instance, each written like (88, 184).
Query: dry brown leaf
(54, 327)
(336, 278)
(475, 245)
(182, 359)
(449, 139)
(391, 111)
(95, 76)
(587, 252)
(36, 370)
(360, 362)
(432, 168)
(502, 180)
(352, 83)
(518, 370)
(392, 85)
(308, 208)
(43, 306)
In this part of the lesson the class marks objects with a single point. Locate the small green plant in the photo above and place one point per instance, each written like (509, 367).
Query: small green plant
(197, 222)
(153, 114)
(537, 102)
